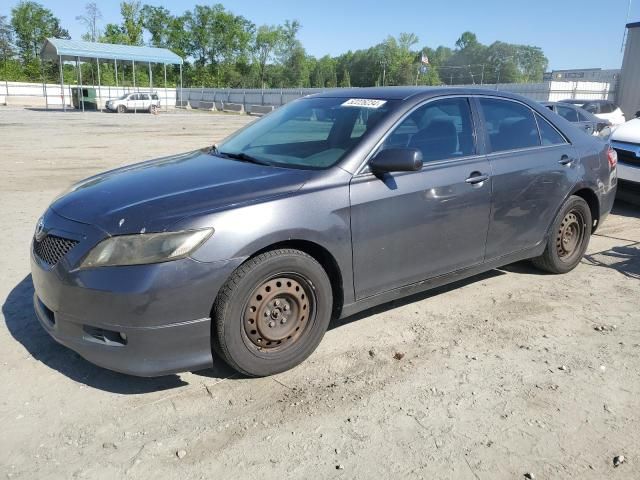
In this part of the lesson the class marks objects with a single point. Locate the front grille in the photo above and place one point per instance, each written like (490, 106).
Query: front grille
(628, 157)
(52, 248)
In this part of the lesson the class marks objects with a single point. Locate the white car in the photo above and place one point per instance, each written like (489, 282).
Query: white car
(138, 101)
(626, 141)
(605, 109)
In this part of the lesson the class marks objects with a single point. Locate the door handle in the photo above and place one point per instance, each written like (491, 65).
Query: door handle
(476, 178)
(566, 160)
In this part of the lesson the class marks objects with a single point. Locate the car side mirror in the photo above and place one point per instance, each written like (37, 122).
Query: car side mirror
(638, 114)
(396, 160)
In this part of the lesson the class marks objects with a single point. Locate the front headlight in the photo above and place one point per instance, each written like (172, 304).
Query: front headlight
(145, 248)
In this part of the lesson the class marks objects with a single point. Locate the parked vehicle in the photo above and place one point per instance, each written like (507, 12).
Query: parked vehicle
(581, 118)
(626, 141)
(604, 109)
(137, 101)
(328, 206)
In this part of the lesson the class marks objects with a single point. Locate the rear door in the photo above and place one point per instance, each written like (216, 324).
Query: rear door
(144, 102)
(532, 169)
(410, 226)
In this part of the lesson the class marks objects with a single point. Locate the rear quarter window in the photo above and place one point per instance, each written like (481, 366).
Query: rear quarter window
(548, 134)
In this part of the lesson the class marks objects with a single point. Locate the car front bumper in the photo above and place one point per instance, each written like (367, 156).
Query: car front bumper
(628, 161)
(144, 320)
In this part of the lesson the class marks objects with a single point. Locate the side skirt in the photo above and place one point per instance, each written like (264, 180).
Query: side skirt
(385, 297)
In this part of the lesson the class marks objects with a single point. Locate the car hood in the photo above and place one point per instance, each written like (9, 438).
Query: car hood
(628, 132)
(153, 195)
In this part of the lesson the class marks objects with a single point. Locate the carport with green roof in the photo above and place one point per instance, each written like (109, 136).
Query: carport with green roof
(61, 51)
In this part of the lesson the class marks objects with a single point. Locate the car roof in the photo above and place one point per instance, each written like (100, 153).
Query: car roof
(404, 93)
(580, 100)
(563, 103)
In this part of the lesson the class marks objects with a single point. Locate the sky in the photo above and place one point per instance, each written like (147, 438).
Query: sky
(572, 33)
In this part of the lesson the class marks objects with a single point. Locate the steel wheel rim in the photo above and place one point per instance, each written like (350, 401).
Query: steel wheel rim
(570, 235)
(278, 312)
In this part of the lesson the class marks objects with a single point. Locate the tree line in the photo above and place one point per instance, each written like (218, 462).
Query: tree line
(222, 49)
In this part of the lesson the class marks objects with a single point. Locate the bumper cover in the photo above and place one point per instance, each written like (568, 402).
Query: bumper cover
(145, 320)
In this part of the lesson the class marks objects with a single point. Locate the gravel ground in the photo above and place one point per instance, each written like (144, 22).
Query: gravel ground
(508, 373)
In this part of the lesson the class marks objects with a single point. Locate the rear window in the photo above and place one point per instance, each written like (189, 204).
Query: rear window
(607, 107)
(510, 125)
(567, 113)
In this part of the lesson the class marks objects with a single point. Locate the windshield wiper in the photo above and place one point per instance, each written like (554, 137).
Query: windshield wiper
(243, 157)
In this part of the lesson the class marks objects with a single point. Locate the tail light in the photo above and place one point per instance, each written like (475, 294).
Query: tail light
(612, 155)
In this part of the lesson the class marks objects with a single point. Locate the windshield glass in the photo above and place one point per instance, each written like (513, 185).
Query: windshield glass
(313, 133)
(122, 97)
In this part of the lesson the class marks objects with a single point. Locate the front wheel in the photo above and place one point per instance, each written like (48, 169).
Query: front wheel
(272, 312)
(568, 238)
(122, 109)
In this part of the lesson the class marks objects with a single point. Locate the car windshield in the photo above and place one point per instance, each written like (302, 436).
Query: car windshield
(311, 133)
(122, 97)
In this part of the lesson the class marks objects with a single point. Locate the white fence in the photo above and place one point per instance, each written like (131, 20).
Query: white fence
(546, 91)
(51, 95)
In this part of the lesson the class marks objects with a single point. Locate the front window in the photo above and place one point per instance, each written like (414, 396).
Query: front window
(312, 133)
(440, 129)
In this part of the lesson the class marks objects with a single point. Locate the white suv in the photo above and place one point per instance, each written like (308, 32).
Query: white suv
(139, 101)
(626, 141)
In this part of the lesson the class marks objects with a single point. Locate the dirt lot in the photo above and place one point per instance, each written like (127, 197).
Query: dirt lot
(502, 375)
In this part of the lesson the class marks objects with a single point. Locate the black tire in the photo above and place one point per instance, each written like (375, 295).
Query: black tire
(568, 238)
(272, 312)
(122, 109)
(153, 109)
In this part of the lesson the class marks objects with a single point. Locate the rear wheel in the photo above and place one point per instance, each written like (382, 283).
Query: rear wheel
(568, 239)
(153, 109)
(272, 313)
(122, 109)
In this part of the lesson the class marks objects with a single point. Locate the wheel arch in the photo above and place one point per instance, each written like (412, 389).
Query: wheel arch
(323, 256)
(589, 196)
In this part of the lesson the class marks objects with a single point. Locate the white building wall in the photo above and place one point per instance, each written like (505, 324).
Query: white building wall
(629, 87)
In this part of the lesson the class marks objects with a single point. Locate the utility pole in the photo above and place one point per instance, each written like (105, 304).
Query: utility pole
(384, 71)
(482, 75)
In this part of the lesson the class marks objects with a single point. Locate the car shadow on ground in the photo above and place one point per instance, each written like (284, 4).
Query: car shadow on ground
(23, 325)
(624, 259)
(417, 297)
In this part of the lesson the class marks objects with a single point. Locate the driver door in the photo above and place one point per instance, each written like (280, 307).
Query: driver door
(411, 226)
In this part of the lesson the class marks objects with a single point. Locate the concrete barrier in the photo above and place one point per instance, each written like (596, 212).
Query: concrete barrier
(233, 107)
(206, 105)
(260, 110)
(183, 104)
(26, 101)
(219, 105)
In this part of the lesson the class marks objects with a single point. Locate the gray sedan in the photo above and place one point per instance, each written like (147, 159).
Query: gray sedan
(326, 207)
(581, 118)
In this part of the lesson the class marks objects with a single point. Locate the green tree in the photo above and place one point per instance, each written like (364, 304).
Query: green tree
(132, 23)
(157, 21)
(267, 42)
(7, 48)
(114, 34)
(345, 82)
(90, 20)
(32, 24)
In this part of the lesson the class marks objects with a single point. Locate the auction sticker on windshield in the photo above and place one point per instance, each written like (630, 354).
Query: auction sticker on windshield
(364, 102)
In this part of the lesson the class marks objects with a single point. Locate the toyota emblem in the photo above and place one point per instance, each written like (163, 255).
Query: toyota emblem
(40, 231)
